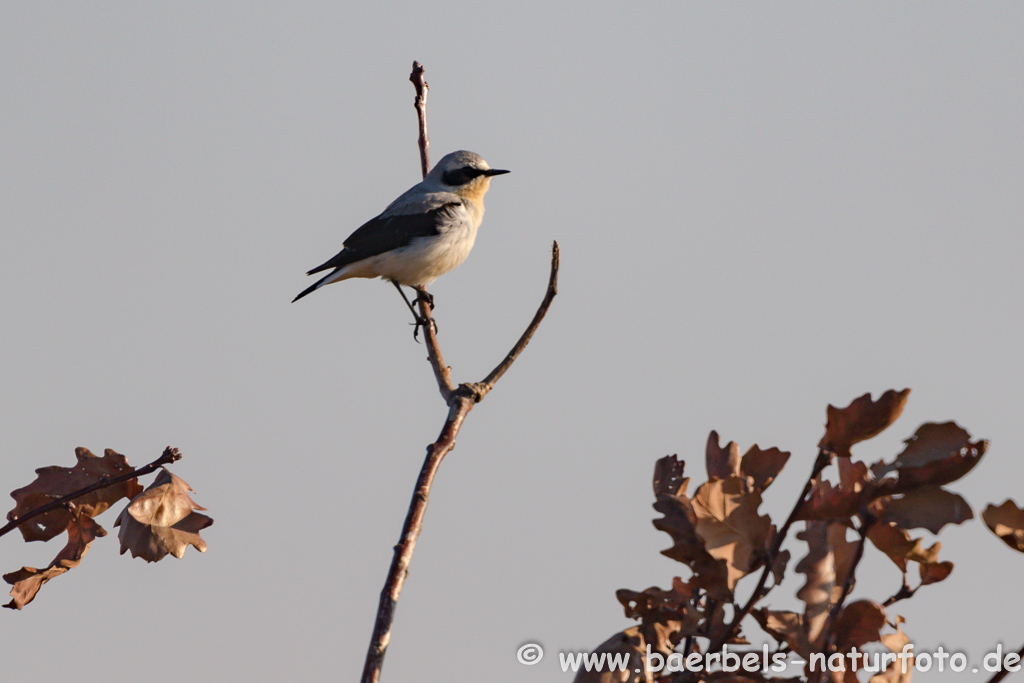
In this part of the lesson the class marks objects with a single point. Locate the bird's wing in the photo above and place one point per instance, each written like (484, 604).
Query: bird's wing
(391, 231)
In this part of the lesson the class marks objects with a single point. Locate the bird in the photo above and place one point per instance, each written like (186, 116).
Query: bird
(426, 232)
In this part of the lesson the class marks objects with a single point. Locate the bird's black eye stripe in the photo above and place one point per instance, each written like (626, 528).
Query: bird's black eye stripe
(461, 176)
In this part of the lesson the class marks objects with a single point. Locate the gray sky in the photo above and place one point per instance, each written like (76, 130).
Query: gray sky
(762, 209)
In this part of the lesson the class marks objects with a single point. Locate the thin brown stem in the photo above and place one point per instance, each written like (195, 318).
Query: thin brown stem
(421, 114)
(460, 407)
(903, 593)
(167, 457)
(442, 372)
(482, 388)
(867, 519)
(1000, 675)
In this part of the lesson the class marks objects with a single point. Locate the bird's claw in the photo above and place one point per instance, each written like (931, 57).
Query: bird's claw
(422, 322)
(426, 297)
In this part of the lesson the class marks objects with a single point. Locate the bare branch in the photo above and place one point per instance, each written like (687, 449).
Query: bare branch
(410, 532)
(482, 388)
(442, 372)
(460, 400)
(167, 457)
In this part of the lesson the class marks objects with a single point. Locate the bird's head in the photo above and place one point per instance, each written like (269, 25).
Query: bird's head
(465, 174)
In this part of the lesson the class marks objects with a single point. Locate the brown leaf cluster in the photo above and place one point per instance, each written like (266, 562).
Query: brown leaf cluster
(718, 533)
(56, 482)
(900, 495)
(156, 522)
(161, 520)
(51, 484)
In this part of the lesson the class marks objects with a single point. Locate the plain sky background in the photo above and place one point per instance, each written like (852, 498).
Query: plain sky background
(762, 209)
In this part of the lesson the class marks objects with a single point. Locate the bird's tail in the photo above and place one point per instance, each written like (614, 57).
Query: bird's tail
(313, 287)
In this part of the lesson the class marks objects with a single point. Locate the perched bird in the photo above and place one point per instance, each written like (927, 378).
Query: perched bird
(420, 236)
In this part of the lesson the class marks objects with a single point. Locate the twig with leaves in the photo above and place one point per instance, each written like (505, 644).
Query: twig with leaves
(158, 521)
(460, 401)
(720, 535)
(169, 456)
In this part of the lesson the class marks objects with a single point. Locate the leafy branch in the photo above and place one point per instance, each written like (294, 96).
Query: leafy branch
(157, 521)
(169, 456)
(721, 537)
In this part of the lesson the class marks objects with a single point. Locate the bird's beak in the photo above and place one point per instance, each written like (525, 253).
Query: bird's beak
(494, 171)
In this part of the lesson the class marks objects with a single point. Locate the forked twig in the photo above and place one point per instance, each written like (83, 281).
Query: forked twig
(460, 401)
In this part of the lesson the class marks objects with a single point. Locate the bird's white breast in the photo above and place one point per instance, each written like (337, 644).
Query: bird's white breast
(426, 258)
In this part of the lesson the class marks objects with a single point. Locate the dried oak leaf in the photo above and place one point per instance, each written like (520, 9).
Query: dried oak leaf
(928, 507)
(668, 476)
(728, 522)
(860, 622)
(27, 581)
(894, 672)
(763, 465)
(654, 605)
(680, 522)
(899, 547)
(779, 566)
(861, 420)
(933, 572)
(161, 520)
(843, 552)
(1007, 522)
(819, 567)
(830, 502)
(936, 454)
(784, 626)
(758, 467)
(56, 482)
(630, 642)
(722, 462)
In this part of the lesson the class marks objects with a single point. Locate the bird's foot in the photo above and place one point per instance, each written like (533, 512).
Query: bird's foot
(426, 297)
(422, 322)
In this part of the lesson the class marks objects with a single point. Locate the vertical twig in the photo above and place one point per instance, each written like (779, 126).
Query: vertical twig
(421, 114)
